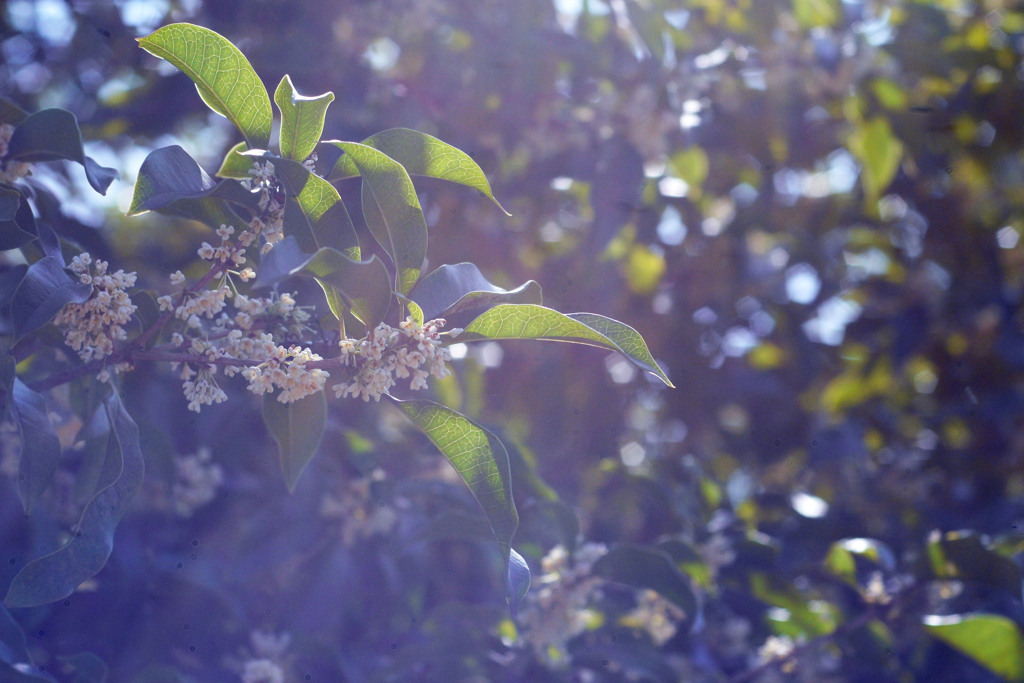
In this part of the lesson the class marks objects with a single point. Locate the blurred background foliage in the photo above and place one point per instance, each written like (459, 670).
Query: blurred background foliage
(811, 209)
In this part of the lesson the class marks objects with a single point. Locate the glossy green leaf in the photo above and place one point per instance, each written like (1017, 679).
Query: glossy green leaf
(302, 119)
(314, 213)
(460, 292)
(392, 210)
(992, 640)
(236, 164)
(298, 428)
(57, 575)
(223, 76)
(421, 154)
(880, 153)
(647, 568)
(364, 286)
(527, 321)
(44, 290)
(52, 134)
(476, 454)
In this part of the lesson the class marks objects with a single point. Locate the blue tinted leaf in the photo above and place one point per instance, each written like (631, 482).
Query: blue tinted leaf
(517, 580)
(646, 568)
(40, 445)
(57, 575)
(298, 428)
(44, 290)
(461, 291)
(52, 134)
(364, 286)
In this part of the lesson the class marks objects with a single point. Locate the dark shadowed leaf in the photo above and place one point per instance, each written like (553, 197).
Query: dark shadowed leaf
(11, 234)
(964, 556)
(302, 119)
(421, 154)
(364, 286)
(528, 321)
(223, 76)
(460, 291)
(392, 210)
(57, 575)
(298, 428)
(992, 640)
(14, 651)
(647, 568)
(52, 134)
(11, 113)
(40, 445)
(41, 294)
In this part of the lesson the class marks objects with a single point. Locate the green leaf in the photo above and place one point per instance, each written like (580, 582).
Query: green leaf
(460, 292)
(477, 455)
(964, 556)
(879, 152)
(812, 13)
(646, 568)
(235, 164)
(40, 445)
(392, 210)
(52, 134)
(364, 286)
(44, 290)
(421, 154)
(314, 212)
(57, 575)
(223, 76)
(298, 428)
(302, 119)
(992, 640)
(527, 321)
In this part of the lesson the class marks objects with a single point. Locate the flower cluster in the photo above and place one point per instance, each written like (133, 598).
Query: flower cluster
(10, 170)
(270, 223)
(360, 515)
(195, 483)
(412, 351)
(556, 610)
(265, 659)
(91, 327)
(656, 615)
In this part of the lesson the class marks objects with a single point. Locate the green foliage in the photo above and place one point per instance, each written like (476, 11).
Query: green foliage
(302, 119)
(992, 640)
(223, 76)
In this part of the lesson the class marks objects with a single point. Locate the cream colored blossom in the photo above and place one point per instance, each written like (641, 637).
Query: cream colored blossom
(196, 482)
(411, 352)
(92, 327)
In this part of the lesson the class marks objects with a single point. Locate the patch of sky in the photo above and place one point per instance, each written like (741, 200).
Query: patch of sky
(144, 15)
(802, 283)
(671, 229)
(829, 325)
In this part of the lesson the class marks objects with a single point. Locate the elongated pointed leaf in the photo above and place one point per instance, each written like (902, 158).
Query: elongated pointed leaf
(52, 134)
(298, 428)
(879, 151)
(517, 580)
(302, 119)
(646, 568)
(223, 76)
(992, 640)
(364, 286)
(460, 291)
(314, 213)
(40, 445)
(57, 575)
(41, 294)
(394, 215)
(424, 155)
(236, 164)
(477, 455)
(527, 321)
